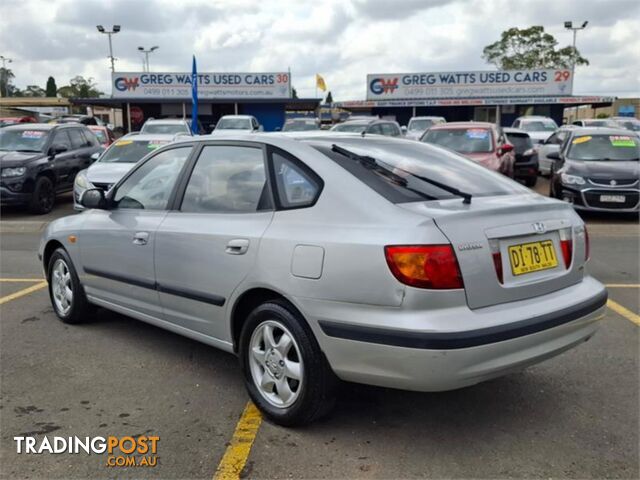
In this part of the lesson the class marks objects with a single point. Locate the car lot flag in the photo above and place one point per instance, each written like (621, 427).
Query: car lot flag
(194, 98)
(320, 83)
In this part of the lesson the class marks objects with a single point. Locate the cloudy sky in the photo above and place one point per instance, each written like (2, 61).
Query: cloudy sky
(343, 40)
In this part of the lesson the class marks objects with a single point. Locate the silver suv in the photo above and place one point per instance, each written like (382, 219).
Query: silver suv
(374, 126)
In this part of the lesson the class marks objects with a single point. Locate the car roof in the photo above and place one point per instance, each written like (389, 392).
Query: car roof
(145, 137)
(533, 117)
(450, 125)
(600, 131)
(36, 126)
(237, 116)
(166, 120)
(426, 117)
(519, 131)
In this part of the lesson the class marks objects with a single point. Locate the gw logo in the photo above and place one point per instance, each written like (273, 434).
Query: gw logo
(380, 85)
(122, 83)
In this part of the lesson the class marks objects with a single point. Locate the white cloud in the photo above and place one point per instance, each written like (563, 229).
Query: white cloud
(342, 40)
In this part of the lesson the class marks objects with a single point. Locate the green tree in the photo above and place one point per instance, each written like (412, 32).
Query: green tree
(80, 87)
(34, 91)
(530, 48)
(6, 77)
(329, 98)
(52, 88)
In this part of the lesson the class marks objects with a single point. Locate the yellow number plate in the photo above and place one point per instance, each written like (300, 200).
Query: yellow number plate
(532, 257)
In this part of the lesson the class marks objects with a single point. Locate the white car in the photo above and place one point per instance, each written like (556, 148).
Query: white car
(166, 126)
(552, 144)
(237, 124)
(538, 127)
(418, 125)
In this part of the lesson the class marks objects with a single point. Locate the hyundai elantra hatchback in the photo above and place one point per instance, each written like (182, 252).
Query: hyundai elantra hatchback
(371, 260)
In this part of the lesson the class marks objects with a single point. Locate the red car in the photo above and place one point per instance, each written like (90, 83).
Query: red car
(103, 134)
(14, 120)
(482, 142)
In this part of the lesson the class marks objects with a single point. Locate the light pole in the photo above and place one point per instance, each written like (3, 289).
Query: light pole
(569, 26)
(146, 54)
(116, 29)
(5, 60)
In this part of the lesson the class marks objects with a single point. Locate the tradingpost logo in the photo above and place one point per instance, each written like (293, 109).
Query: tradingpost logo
(379, 86)
(125, 451)
(125, 84)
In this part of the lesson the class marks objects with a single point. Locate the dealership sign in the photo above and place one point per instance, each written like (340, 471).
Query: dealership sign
(210, 85)
(502, 83)
(461, 102)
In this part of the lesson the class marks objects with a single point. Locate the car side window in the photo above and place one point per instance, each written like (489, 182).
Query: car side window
(516, 124)
(376, 129)
(62, 138)
(296, 186)
(77, 140)
(150, 186)
(389, 129)
(228, 179)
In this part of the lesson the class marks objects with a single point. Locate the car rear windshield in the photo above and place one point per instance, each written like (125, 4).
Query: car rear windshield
(520, 142)
(164, 129)
(27, 140)
(462, 140)
(299, 127)
(234, 124)
(539, 125)
(350, 127)
(130, 151)
(604, 148)
(434, 163)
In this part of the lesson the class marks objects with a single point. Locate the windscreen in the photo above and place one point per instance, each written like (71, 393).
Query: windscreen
(520, 142)
(604, 148)
(462, 140)
(420, 125)
(350, 127)
(539, 125)
(234, 124)
(402, 158)
(130, 151)
(299, 127)
(164, 128)
(32, 140)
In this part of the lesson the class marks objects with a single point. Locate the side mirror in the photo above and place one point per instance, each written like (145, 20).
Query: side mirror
(506, 148)
(93, 198)
(554, 155)
(261, 128)
(57, 148)
(95, 156)
(278, 129)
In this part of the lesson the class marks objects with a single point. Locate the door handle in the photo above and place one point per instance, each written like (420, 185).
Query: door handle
(238, 246)
(141, 238)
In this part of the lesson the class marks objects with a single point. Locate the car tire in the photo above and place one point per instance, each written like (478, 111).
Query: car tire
(67, 295)
(531, 182)
(44, 196)
(288, 379)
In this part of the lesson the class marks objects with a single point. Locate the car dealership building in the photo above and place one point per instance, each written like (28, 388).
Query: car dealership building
(493, 96)
(143, 95)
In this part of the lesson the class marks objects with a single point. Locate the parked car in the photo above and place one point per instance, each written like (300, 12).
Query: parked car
(595, 122)
(481, 142)
(104, 135)
(115, 162)
(538, 127)
(4, 121)
(550, 145)
(166, 126)
(377, 260)
(630, 123)
(418, 125)
(40, 160)
(83, 119)
(525, 167)
(301, 125)
(236, 124)
(598, 169)
(373, 126)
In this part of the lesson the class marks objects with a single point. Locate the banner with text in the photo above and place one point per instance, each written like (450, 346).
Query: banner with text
(210, 85)
(476, 84)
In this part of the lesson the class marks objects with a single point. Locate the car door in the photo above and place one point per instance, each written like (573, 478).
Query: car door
(208, 245)
(117, 245)
(63, 162)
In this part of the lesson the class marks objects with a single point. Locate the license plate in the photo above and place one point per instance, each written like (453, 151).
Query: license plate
(612, 198)
(532, 257)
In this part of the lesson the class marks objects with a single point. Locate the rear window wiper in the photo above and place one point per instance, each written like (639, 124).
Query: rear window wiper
(372, 162)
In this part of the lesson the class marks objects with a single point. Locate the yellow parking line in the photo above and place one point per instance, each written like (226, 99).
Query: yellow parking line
(626, 313)
(21, 280)
(23, 292)
(623, 285)
(238, 450)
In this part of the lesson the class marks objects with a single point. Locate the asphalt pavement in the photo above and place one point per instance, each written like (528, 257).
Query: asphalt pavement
(574, 416)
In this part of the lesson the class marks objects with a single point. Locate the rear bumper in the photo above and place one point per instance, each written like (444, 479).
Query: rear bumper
(430, 359)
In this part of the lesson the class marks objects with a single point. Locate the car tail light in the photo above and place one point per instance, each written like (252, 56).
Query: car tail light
(566, 244)
(497, 259)
(587, 245)
(424, 266)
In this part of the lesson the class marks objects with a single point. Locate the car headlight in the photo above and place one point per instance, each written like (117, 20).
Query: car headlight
(13, 172)
(81, 181)
(571, 179)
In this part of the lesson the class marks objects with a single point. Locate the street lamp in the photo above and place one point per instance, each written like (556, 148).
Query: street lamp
(5, 60)
(146, 54)
(114, 30)
(569, 26)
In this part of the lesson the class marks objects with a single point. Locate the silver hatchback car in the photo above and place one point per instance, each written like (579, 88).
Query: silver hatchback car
(371, 260)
